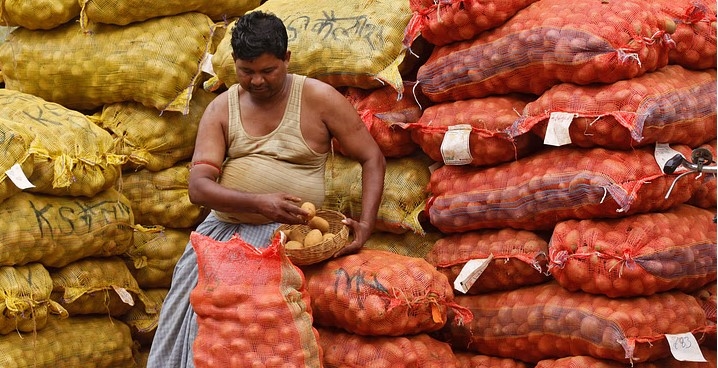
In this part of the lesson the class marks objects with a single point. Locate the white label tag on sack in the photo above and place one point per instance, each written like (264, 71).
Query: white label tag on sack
(125, 295)
(455, 146)
(18, 177)
(206, 65)
(557, 129)
(685, 347)
(470, 273)
(663, 153)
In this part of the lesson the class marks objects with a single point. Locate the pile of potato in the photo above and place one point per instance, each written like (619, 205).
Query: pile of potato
(313, 233)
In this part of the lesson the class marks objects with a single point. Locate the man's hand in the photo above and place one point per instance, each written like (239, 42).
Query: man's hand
(361, 232)
(282, 208)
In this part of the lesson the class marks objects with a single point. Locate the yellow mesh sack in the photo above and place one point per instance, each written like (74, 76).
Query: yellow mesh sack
(38, 14)
(348, 43)
(75, 342)
(162, 197)
(56, 230)
(72, 156)
(156, 62)
(154, 254)
(25, 298)
(150, 140)
(408, 244)
(98, 286)
(14, 150)
(143, 324)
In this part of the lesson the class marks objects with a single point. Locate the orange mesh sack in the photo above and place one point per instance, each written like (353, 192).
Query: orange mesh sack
(547, 42)
(408, 244)
(252, 307)
(670, 362)
(705, 195)
(536, 192)
(379, 293)
(384, 112)
(670, 105)
(468, 359)
(547, 321)
(512, 259)
(446, 21)
(637, 255)
(707, 297)
(473, 132)
(343, 349)
(695, 33)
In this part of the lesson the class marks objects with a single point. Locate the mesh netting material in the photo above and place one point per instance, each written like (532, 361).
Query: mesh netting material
(557, 184)
(156, 62)
(489, 117)
(38, 14)
(154, 253)
(25, 298)
(520, 258)
(379, 293)
(706, 296)
(587, 361)
(403, 197)
(446, 21)
(641, 254)
(695, 33)
(55, 231)
(162, 197)
(670, 105)
(705, 195)
(408, 244)
(72, 156)
(581, 42)
(14, 150)
(547, 321)
(143, 324)
(343, 349)
(469, 359)
(353, 43)
(252, 307)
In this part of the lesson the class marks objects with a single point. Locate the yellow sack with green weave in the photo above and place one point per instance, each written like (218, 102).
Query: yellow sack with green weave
(38, 14)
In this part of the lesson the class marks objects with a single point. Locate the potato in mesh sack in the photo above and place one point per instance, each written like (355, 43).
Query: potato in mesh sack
(38, 14)
(156, 62)
(143, 324)
(154, 253)
(548, 42)
(695, 33)
(670, 362)
(15, 154)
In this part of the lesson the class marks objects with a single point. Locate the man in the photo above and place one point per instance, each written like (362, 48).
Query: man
(260, 153)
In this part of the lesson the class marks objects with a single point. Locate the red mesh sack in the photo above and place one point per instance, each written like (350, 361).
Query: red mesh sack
(473, 360)
(547, 42)
(379, 293)
(518, 258)
(252, 308)
(445, 21)
(705, 194)
(484, 121)
(536, 192)
(706, 295)
(344, 349)
(384, 112)
(695, 33)
(670, 105)
(547, 321)
(641, 254)
(590, 362)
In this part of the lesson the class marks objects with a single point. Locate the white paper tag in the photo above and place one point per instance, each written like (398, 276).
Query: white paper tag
(663, 153)
(455, 146)
(18, 177)
(125, 295)
(557, 129)
(470, 273)
(206, 65)
(685, 347)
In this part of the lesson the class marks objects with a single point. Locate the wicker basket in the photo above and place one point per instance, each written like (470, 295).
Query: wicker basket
(323, 250)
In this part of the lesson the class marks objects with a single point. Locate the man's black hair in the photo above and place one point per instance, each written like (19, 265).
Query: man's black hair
(256, 33)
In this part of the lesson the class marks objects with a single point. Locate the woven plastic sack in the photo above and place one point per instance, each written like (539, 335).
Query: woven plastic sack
(538, 191)
(641, 254)
(384, 113)
(353, 43)
(445, 21)
(98, 286)
(473, 132)
(548, 42)
(55, 231)
(707, 297)
(515, 258)
(343, 349)
(75, 342)
(143, 324)
(154, 253)
(379, 293)
(162, 197)
(150, 140)
(403, 198)
(705, 194)
(252, 307)
(468, 359)
(671, 105)
(155, 63)
(124, 12)
(15, 149)
(670, 362)
(547, 321)
(408, 244)
(72, 156)
(695, 33)
(38, 14)
(25, 302)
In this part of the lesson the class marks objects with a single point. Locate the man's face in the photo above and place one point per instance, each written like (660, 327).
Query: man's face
(262, 77)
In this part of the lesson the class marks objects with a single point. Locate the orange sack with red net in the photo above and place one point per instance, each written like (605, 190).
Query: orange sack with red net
(252, 308)
(641, 254)
(548, 42)
(695, 34)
